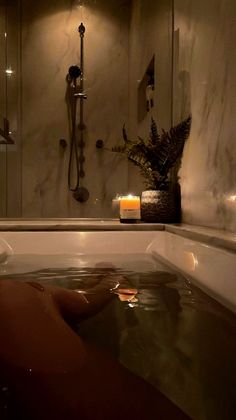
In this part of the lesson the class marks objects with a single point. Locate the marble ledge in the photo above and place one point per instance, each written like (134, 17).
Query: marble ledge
(82, 225)
(213, 237)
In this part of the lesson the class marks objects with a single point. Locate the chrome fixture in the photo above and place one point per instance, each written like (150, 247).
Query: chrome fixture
(74, 73)
(80, 95)
(75, 92)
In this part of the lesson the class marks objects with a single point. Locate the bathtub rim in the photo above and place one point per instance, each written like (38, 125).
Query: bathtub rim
(214, 271)
(214, 237)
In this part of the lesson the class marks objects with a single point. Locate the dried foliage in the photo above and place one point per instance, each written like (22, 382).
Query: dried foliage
(156, 156)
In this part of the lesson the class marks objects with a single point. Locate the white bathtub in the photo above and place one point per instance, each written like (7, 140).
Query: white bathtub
(212, 269)
(184, 352)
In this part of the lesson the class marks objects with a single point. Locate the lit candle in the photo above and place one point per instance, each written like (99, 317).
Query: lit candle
(129, 209)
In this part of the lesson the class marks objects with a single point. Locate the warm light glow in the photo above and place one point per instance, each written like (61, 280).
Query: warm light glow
(80, 6)
(130, 207)
(130, 202)
(127, 295)
(230, 201)
(195, 260)
(191, 261)
(231, 198)
(9, 71)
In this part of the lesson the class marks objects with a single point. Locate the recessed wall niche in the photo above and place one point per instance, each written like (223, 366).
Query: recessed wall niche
(146, 91)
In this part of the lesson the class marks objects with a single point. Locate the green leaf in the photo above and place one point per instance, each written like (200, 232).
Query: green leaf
(159, 153)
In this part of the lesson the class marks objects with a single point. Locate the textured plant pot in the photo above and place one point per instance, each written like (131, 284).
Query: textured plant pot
(158, 206)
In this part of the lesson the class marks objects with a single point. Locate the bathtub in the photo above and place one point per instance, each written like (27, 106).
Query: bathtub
(192, 360)
(211, 268)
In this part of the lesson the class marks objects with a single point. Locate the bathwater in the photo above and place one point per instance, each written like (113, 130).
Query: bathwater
(159, 325)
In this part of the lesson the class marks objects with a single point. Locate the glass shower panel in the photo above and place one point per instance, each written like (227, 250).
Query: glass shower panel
(10, 171)
(13, 109)
(3, 156)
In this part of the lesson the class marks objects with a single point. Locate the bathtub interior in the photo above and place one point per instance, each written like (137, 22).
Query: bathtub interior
(28, 251)
(178, 344)
(212, 269)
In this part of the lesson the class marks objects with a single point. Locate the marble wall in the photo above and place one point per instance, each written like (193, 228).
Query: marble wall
(120, 42)
(50, 44)
(205, 84)
(150, 37)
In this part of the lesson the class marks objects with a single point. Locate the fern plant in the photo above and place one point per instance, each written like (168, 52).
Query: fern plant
(158, 154)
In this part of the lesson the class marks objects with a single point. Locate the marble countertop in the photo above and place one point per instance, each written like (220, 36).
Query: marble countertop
(213, 237)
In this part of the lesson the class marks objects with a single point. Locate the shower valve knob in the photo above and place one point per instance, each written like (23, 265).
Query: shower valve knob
(63, 143)
(99, 144)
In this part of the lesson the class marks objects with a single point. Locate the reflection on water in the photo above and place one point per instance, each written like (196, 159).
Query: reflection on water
(162, 328)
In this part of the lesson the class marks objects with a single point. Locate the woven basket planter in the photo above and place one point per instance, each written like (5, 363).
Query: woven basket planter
(159, 206)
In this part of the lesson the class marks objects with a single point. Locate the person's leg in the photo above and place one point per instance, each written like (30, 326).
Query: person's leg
(52, 374)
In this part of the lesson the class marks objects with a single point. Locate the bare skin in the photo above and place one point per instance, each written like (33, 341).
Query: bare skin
(52, 373)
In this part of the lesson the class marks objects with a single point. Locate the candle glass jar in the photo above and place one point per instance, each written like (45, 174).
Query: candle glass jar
(130, 209)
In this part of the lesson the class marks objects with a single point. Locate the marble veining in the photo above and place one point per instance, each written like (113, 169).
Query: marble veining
(204, 84)
(50, 44)
(116, 57)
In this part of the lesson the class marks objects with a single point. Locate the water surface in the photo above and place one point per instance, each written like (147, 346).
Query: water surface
(159, 325)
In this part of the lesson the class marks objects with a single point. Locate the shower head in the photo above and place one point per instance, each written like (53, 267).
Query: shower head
(74, 72)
